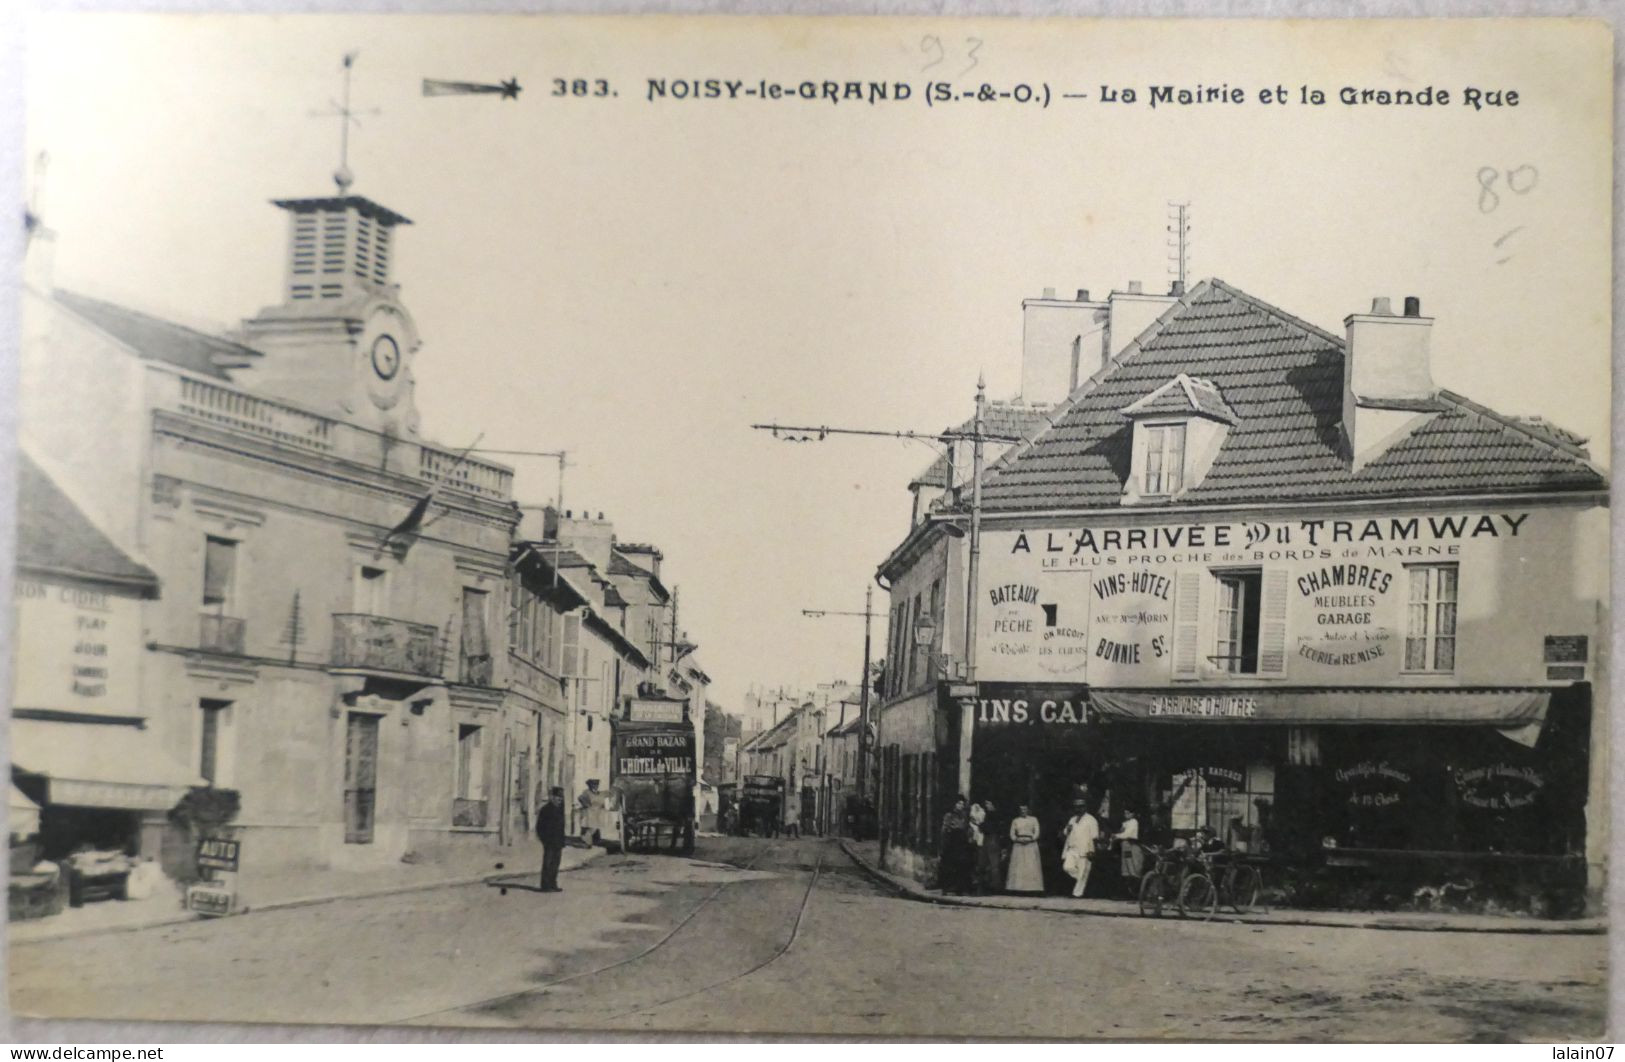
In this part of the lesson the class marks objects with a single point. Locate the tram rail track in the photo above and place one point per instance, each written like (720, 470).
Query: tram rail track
(795, 934)
(580, 975)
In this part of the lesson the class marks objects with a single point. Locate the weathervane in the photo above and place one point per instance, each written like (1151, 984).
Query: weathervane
(508, 90)
(345, 114)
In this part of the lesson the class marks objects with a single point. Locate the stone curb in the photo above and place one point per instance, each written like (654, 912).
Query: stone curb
(184, 917)
(913, 891)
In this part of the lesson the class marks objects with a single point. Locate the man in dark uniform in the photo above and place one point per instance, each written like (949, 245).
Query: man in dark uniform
(550, 831)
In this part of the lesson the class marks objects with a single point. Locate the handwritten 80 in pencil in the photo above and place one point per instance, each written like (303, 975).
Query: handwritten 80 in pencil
(1249, 574)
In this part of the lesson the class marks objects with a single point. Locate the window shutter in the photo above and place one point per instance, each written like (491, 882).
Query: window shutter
(570, 668)
(1187, 613)
(1272, 623)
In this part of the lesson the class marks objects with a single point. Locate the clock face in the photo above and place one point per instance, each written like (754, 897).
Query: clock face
(386, 357)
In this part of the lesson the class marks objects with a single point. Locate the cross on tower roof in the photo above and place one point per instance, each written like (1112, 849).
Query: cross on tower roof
(346, 114)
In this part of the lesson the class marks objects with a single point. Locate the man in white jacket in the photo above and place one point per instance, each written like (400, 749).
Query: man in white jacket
(1078, 845)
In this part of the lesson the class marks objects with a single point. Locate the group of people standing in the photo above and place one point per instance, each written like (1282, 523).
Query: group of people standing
(973, 857)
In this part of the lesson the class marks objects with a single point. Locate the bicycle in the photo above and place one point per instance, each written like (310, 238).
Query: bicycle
(1223, 880)
(1164, 883)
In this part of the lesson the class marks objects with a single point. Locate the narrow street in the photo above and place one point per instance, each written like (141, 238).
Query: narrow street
(785, 936)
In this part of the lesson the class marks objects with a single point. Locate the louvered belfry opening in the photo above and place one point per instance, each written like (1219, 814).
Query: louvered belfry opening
(337, 247)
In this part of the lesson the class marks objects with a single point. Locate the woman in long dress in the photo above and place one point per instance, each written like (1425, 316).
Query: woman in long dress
(1077, 850)
(1026, 873)
(954, 862)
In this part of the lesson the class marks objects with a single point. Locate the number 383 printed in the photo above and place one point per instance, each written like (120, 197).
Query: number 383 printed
(581, 86)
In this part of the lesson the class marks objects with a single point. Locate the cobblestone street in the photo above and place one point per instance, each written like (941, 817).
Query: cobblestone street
(790, 937)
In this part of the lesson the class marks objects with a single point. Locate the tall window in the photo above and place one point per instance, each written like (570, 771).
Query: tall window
(1430, 629)
(372, 590)
(1164, 458)
(219, 574)
(360, 776)
(469, 807)
(209, 739)
(476, 646)
(935, 614)
(1236, 650)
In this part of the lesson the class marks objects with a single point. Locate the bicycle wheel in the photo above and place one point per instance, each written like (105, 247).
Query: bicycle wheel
(1242, 885)
(1198, 898)
(1151, 894)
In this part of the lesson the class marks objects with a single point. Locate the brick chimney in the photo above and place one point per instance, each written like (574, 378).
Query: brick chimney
(1387, 376)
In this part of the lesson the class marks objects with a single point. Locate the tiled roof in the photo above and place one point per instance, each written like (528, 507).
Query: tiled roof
(158, 340)
(54, 535)
(1182, 395)
(1016, 420)
(1283, 378)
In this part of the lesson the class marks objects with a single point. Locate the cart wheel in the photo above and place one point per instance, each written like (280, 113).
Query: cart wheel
(1198, 898)
(1151, 894)
(1244, 886)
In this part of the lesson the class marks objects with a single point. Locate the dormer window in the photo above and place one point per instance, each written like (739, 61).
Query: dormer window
(1164, 458)
(1178, 429)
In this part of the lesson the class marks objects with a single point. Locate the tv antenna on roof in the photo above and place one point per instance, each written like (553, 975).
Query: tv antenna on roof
(1179, 246)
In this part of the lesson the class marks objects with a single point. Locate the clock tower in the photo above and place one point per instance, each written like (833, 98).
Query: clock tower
(340, 342)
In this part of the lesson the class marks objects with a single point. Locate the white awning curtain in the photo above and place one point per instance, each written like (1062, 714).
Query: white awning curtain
(97, 765)
(1500, 708)
(22, 814)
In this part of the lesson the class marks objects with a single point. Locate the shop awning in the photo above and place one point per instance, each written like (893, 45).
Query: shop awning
(100, 766)
(1500, 708)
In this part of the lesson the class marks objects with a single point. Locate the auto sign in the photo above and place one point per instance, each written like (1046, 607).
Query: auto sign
(208, 900)
(217, 853)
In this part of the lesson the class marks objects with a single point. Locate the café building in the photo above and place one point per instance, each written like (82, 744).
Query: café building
(1261, 577)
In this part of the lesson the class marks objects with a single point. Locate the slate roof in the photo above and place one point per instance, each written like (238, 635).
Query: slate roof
(619, 565)
(1018, 420)
(158, 340)
(55, 536)
(1183, 396)
(1283, 378)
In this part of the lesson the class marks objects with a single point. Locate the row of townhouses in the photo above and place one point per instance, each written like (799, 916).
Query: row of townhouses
(247, 577)
(1236, 570)
(814, 750)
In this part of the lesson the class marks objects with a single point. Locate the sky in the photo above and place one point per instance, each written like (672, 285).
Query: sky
(638, 282)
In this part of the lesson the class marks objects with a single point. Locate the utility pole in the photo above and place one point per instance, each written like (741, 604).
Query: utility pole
(975, 533)
(977, 437)
(863, 702)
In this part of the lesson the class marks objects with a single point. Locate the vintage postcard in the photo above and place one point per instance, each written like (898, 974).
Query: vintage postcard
(1002, 528)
